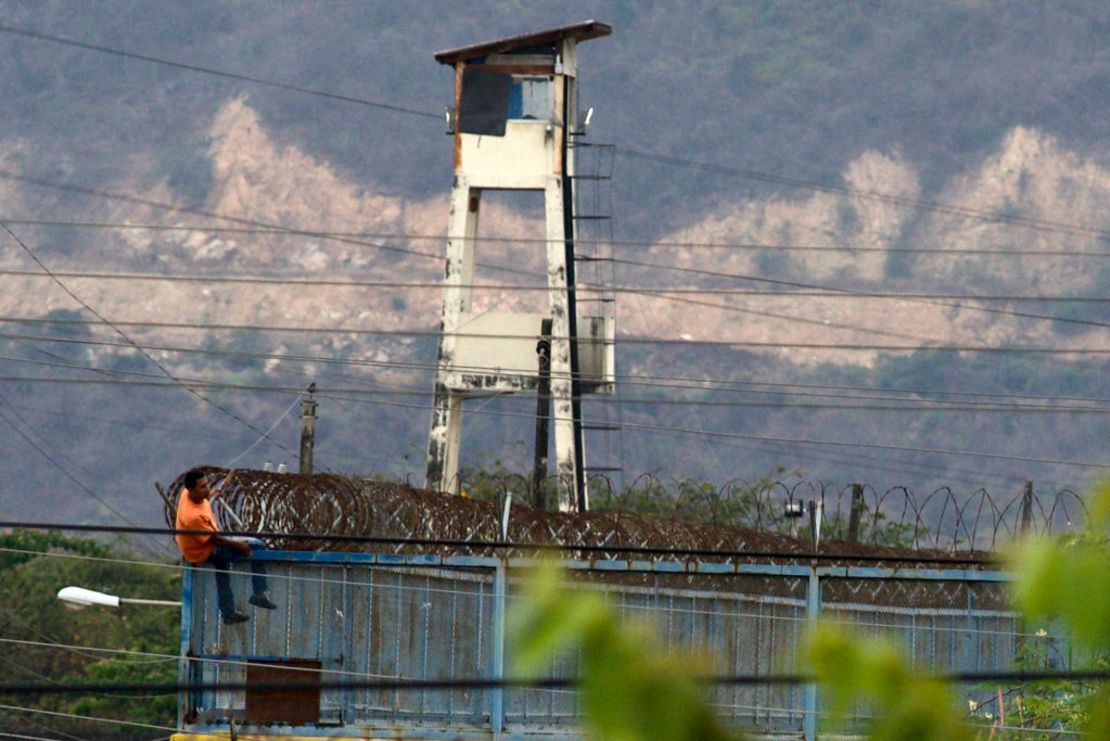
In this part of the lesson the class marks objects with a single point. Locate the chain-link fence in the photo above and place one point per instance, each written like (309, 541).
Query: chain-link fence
(361, 617)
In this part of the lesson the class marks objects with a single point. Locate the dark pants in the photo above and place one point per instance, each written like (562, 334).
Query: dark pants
(221, 559)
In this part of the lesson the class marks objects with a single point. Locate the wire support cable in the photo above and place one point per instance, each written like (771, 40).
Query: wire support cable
(57, 465)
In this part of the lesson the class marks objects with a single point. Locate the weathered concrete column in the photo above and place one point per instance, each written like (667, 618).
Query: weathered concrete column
(443, 439)
(568, 452)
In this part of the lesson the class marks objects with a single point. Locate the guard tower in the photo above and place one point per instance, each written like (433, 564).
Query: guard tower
(514, 125)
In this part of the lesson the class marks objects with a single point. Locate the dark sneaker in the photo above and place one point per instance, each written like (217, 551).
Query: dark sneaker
(236, 617)
(261, 600)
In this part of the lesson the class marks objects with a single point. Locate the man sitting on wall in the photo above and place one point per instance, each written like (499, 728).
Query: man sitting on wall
(194, 512)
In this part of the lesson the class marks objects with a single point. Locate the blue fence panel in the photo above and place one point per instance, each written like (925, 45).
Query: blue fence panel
(367, 617)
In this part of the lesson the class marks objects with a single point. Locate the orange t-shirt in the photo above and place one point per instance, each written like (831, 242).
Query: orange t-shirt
(192, 516)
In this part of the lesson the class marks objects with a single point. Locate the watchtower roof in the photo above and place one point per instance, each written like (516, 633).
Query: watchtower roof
(579, 31)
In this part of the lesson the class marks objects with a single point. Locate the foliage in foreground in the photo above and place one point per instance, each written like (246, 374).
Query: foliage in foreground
(47, 643)
(632, 690)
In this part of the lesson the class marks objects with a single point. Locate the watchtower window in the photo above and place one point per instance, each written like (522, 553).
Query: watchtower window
(484, 103)
(531, 98)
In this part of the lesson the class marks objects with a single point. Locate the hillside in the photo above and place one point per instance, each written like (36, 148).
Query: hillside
(896, 107)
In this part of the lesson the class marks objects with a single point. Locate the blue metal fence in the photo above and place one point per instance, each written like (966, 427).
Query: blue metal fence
(364, 617)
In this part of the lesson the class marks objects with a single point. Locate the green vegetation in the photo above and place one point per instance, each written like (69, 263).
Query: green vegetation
(633, 688)
(44, 642)
(630, 685)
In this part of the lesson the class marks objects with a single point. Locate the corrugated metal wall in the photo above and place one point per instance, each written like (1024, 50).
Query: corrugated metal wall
(367, 617)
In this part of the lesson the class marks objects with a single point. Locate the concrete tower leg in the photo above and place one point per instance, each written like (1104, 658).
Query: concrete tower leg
(443, 440)
(567, 453)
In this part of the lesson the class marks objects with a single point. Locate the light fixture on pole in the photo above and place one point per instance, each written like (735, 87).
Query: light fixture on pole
(78, 598)
(794, 511)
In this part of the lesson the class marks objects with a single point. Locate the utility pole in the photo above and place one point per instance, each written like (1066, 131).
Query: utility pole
(1026, 507)
(543, 411)
(308, 429)
(855, 513)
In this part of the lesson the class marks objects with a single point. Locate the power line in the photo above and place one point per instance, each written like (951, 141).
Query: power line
(647, 292)
(634, 340)
(895, 200)
(509, 546)
(650, 381)
(171, 208)
(738, 246)
(1039, 224)
(758, 441)
(907, 405)
(632, 381)
(807, 441)
(63, 470)
(74, 716)
(642, 380)
(334, 394)
(215, 72)
(988, 216)
(806, 290)
(480, 683)
(853, 328)
(166, 371)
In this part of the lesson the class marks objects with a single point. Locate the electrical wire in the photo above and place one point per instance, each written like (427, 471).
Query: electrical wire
(480, 683)
(38, 36)
(172, 208)
(905, 405)
(806, 290)
(48, 729)
(65, 472)
(1043, 225)
(654, 429)
(625, 340)
(58, 714)
(657, 429)
(849, 327)
(723, 435)
(737, 246)
(8, 734)
(505, 545)
(166, 371)
(685, 383)
(729, 386)
(891, 199)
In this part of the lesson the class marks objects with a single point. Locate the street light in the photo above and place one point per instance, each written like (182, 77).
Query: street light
(78, 598)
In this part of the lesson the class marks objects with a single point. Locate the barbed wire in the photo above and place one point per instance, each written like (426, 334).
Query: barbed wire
(738, 516)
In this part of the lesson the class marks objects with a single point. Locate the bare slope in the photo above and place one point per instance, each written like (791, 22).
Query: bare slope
(256, 180)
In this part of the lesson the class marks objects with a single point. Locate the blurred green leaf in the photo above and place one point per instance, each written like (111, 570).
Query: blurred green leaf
(901, 703)
(1069, 578)
(632, 688)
